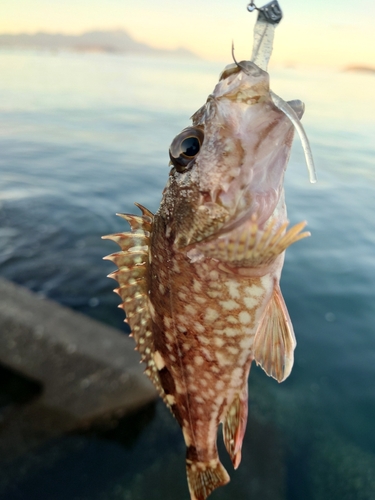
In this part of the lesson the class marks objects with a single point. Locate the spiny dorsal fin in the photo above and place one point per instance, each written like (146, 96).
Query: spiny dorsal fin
(255, 247)
(234, 426)
(274, 341)
(132, 276)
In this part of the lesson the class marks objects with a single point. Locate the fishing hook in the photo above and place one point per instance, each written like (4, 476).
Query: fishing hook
(251, 7)
(237, 63)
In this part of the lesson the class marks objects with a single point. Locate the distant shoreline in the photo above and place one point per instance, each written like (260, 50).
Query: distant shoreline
(108, 42)
(360, 69)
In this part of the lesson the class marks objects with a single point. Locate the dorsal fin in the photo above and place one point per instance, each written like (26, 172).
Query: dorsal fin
(274, 341)
(132, 276)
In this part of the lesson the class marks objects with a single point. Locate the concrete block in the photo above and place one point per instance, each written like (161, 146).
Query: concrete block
(87, 369)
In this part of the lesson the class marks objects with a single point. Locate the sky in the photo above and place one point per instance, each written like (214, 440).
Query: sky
(313, 32)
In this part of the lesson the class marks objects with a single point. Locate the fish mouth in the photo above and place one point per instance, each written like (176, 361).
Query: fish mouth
(263, 205)
(218, 213)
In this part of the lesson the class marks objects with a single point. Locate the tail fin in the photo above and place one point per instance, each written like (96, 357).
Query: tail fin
(204, 478)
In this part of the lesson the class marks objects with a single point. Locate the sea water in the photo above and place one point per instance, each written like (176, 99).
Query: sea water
(83, 136)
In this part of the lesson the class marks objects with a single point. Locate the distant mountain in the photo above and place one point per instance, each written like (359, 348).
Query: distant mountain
(93, 41)
(360, 69)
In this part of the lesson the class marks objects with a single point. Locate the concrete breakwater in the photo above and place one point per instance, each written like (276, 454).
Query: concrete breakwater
(85, 369)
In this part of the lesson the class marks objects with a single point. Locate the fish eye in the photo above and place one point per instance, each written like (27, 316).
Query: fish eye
(185, 147)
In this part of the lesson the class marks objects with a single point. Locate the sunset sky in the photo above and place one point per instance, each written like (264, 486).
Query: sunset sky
(326, 32)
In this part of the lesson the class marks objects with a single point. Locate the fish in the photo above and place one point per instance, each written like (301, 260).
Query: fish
(199, 280)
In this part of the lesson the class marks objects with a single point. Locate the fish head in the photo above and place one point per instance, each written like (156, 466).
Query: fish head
(228, 167)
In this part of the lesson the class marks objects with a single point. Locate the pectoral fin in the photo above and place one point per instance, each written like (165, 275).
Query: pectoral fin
(274, 341)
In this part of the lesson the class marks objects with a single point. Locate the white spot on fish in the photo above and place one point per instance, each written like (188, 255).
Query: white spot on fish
(267, 281)
(169, 336)
(199, 299)
(197, 286)
(230, 332)
(233, 289)
(232, 319)
(219, 341)
(151, 309)
(159, 361)
(222, 359)
(219, 385)
(167, 322)
(179, 388)
(211, 314)
(237, 374)
(244, 317)
(187, 437)
(162, 273)
(214, 275)
(198, 360)
(161, 288)
(170, 399)
(247, 341)
(228, 305)
(182, 296)
(175, 267)
(207, 353)
(254, 291)
(190, 309)
(182, 319)
(203, 340)
(251, 302)
(199, 328)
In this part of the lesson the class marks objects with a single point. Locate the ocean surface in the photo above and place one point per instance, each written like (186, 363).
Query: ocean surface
(83, 136)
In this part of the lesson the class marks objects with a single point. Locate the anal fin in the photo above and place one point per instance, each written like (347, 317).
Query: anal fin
(274, 341)
(204, 478)
(234, 426)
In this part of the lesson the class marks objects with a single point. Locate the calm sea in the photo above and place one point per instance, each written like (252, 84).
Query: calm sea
(85, 136)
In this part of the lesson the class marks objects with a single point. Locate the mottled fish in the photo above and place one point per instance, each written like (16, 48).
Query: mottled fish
(199, 280)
